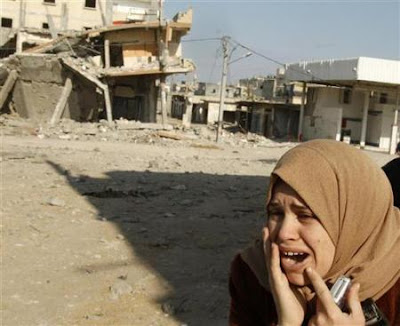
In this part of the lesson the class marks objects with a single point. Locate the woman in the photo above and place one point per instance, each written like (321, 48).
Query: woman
(330, 213)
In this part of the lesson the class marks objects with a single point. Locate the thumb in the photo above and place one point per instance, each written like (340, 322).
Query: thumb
(353, 301)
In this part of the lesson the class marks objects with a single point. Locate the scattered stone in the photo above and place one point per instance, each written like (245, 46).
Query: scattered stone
(186, 202)
(96, 316)
(65, 137)
(153, 165)
(178, 187)
(168, 308)
(169, 215)
(120, 237)
(54, 201)
(119, 288)
(170, 135)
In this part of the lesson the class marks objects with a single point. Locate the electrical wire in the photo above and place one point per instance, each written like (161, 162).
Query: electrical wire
(217, 53)
(202, 39)
(276, 61)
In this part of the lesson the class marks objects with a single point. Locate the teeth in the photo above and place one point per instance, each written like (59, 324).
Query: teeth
(290, 253)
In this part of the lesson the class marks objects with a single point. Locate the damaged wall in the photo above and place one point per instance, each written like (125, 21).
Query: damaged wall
(40, 84)
(135, 98)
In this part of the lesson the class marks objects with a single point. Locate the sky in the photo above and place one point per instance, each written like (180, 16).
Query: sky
(286, 32)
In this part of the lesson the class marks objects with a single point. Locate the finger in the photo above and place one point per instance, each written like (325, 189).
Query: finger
(322, 291)
(275, 261)
(353, 301)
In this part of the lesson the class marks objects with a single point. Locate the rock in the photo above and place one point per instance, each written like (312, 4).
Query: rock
(168, 308)
(178, 187)
(54, 201)
(186, 202)
(142, 180)
(96, 316)
(65, 137)
(119, 288)
(90, 132)
(154, 164)
(120, 237)
(169, 215)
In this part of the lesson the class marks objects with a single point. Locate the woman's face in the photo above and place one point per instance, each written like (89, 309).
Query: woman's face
(302, 240)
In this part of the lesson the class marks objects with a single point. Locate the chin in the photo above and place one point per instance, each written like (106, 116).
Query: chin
(296, 279)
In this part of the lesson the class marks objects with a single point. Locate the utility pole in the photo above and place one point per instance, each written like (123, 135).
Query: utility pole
(225, 47)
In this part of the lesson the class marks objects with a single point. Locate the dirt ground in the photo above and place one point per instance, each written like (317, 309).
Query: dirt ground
(132, 230)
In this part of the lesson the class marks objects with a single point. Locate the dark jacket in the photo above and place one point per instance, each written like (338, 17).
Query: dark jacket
(252, 305)
(392, 170)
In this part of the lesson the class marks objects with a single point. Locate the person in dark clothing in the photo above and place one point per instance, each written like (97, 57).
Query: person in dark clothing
(392, 170)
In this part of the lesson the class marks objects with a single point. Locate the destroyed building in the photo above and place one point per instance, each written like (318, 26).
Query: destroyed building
(25, 24)
(111, 72)
(267, 106)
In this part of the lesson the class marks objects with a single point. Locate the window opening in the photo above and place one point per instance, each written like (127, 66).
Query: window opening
(90, 3)
(6, 22)
(383, 98)
(347, 96)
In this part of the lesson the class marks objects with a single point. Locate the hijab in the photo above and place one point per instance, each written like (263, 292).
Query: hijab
(353, 200)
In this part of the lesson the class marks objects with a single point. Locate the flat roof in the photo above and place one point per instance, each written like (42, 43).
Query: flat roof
(355, 71)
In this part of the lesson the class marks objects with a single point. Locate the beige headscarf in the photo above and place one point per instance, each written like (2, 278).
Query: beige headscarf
(352, 198)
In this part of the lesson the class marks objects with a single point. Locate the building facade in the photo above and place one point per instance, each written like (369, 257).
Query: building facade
(356, 100)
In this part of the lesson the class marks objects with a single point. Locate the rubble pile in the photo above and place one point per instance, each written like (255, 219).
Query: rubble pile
(131, 131)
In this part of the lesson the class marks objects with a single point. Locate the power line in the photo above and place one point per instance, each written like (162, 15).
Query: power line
(202, 39)
(276, 61)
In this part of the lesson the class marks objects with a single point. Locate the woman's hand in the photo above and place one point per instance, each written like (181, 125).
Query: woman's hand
(290, 304)
(327, 312)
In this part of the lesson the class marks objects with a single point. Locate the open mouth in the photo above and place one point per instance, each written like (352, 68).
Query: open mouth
(293, 257)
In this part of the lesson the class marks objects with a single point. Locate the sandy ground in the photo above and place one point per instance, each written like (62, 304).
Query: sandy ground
(102, 232)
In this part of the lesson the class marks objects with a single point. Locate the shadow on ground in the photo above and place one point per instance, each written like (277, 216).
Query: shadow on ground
(185, 226)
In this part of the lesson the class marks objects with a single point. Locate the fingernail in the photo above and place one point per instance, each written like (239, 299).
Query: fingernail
(309, 270)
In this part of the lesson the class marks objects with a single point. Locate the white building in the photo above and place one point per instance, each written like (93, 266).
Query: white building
(38, 21)
(352, 99)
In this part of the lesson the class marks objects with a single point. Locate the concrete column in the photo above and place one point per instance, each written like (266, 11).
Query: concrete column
(107, 101)
(107, 54)
(20, 41)
(187, 115)
(364, 119)
(163, 94)
(62, 102)
(7, 87)
(109, 13)
(271, 123)
(64, 17)
(22, 7)
(301, 115)
(339, 124)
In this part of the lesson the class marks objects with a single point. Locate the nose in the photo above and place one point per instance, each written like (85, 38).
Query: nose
(288, 229)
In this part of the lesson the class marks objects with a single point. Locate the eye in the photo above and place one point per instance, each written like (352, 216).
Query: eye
(275, 215)
(306, 216)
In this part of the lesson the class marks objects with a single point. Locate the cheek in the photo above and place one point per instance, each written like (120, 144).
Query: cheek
(272, 227)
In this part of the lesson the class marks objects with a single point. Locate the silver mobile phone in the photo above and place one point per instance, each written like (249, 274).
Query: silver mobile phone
(373, 316)
(339, 290)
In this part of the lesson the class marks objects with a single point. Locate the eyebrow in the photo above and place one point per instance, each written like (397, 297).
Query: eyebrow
(278, 205)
